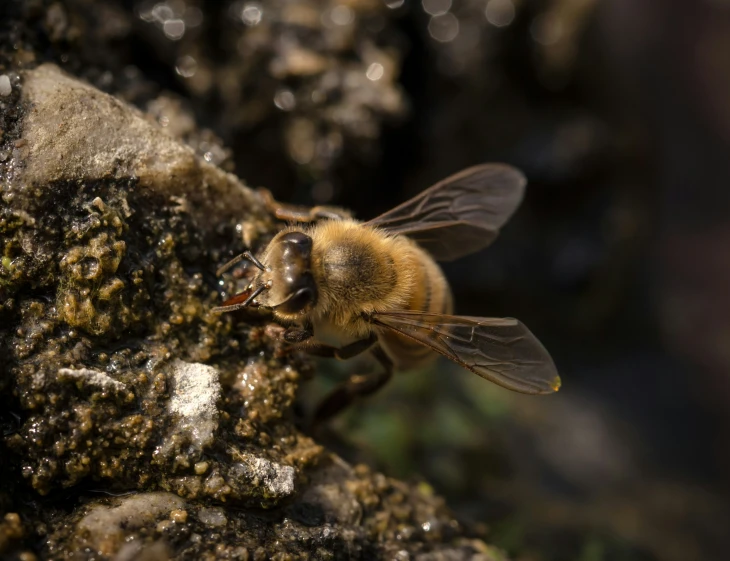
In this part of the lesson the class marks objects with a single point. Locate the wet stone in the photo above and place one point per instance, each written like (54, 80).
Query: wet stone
(5, 87)
(277, 480)
(194, 393)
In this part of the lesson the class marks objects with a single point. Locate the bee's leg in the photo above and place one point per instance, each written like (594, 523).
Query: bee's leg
(343, 353)
(301, 339)
(359, 385)
(301, 214)
(297, 335)
(237, 259)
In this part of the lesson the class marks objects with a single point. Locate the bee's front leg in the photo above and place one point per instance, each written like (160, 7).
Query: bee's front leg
(298, 334)
(301, 339)
(343, 353)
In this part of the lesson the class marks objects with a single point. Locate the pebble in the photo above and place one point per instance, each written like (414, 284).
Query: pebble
(5, 87)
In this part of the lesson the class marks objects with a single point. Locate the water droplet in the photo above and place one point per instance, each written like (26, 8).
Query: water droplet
(500, 13)
(375, 71)
(444, 28)
(394, 4)
(436, 7)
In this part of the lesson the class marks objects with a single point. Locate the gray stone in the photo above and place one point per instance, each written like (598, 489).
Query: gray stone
(5, 87)
(195, 391)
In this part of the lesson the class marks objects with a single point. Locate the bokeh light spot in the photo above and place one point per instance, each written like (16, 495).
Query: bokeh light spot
(251, 14)
(546, 30)
(375, 71)
(436, 7)
(342, 15)
(444, 28)
(174, 29)
(500, 13)
(285, 100)
(186, 66)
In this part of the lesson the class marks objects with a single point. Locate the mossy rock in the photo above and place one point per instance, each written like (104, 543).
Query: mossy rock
(117, 378)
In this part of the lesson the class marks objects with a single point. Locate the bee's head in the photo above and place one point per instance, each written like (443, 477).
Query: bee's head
(287, 281)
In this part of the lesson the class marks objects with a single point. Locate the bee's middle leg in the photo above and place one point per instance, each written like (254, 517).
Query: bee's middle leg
(301, 339)
(358, 385)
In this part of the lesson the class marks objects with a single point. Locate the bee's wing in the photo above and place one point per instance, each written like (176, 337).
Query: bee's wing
(461, 214)
(501, 350)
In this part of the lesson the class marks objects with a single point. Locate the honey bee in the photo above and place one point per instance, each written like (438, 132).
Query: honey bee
(345, 287)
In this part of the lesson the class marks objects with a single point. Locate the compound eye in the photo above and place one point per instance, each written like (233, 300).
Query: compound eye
(298, 239)
(305, 295)
(299, 301)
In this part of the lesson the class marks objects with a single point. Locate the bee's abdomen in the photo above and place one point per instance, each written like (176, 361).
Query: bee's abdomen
(431, 293)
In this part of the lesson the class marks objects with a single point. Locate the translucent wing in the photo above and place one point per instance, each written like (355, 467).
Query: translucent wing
(461, 214)
(500, 350)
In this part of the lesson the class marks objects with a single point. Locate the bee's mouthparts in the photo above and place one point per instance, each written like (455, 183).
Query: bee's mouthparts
(240, 300)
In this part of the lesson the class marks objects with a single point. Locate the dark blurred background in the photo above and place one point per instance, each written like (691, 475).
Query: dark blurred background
(618, 111)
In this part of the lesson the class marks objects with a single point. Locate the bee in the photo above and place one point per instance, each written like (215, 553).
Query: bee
(344, 287)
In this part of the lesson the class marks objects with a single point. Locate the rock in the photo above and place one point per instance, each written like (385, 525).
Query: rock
(11, 530)
(212, 516)
(106, 527)
(376, 518)
(119, 380)
(93, 378)
(194, 395)
(5, 87)
(74, 131)
(276, 480)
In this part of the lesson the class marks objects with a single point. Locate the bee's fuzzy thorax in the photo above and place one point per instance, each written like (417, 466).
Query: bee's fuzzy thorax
(360, 270)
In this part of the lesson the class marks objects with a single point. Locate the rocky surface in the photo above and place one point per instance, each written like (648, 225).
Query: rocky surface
(136, 424)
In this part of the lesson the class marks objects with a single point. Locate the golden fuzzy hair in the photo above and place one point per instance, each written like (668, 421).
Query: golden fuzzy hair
(358, 269)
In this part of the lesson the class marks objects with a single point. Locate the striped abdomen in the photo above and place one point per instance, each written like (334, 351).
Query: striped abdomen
(431, 293)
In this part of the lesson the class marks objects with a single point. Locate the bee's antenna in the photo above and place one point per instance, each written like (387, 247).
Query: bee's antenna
(235, 304)
(245, 255)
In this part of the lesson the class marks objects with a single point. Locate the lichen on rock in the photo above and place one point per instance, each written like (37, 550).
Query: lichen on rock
(194, 394)
(119, 380)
